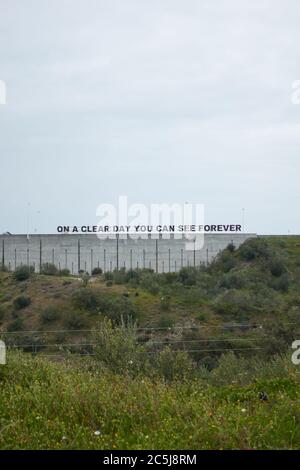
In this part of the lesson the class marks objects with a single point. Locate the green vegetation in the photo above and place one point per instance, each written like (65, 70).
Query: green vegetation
(49, 269)
(200, 358)
(22, 301)
(81, 405)
(96, 271)
(22, 273)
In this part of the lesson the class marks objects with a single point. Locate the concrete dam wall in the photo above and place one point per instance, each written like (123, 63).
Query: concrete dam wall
(78, 252)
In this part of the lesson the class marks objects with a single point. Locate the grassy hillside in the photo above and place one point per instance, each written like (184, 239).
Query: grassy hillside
(247, 299)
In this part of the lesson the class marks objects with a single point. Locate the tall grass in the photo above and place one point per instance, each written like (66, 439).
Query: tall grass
(46, 405)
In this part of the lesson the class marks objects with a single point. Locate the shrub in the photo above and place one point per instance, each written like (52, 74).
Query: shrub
(75, 320)
(254, 248)
(22, 273)
(96, 271)
(22, 301)
(85, 279)
(109, 283)
(188, 276)
(281, 283)
(231, 247)
(149, 282)
(85, 299)
(165, 302)
(277, 267)
(170, 278)
(232, 281)
(132, 276)
(117, 347)
(49, 269)
(108, 276)
(234, 303)
(16, 325)
(119, 276)
(64, 272)
(224, 262)
(172, 365)
(118, 309)
(50, 314)
(165, 321)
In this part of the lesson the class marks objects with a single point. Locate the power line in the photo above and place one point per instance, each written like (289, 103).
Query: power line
(162, 328)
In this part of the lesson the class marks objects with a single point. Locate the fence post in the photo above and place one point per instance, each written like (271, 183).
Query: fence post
(41, 255)
(117, 238)
(3, 254)
(2, 353)
(78, 254)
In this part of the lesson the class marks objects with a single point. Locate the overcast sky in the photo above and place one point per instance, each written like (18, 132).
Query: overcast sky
(162, 101)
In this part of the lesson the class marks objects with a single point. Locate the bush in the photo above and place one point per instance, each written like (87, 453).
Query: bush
(50, 314)
(64, 272)
(132, 276)
(49, 269)
(172, 365)
(85, 299)
(281, 283)
(165, 321)
(165, 302)
(170, 278)
(85, 279)
(22, 273)
(96, 271)
(188, 276)
(225, 262)
(232, 281)
(234, 303)
(119, 276)
(149, 282)
(117, 348)
(118, 309)
(254, 248)
(75, 320)
(231, 247)
(108, 276)
(277, 267)
(21, 302)
(16, 325)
